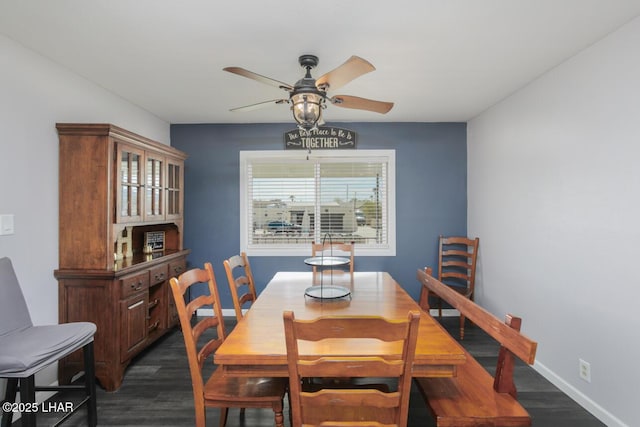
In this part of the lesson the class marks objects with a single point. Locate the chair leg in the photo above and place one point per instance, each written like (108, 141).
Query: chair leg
(9, 396)
(290, 411)
(462, 318)
(279, 417)
(28, 395)
(90, 384)
(223, 416)
(439, 308)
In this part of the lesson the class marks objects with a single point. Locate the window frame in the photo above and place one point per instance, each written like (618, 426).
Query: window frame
(386, 156)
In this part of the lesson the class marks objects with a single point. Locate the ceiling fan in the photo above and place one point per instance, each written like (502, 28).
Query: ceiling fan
(308, 96)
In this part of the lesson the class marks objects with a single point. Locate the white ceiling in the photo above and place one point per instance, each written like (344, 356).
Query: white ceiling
(438, 60)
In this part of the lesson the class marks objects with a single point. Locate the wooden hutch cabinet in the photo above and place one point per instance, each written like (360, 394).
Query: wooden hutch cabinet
(120, 233)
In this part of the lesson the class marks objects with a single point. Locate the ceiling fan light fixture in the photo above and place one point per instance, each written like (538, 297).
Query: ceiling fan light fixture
(308, 96)
(307, 110)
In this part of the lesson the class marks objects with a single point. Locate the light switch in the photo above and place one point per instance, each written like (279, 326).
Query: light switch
(6, 224)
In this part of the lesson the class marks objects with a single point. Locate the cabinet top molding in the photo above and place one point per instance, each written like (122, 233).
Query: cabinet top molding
(106, 129)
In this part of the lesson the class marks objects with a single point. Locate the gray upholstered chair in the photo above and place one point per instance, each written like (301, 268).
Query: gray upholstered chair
(26, 349)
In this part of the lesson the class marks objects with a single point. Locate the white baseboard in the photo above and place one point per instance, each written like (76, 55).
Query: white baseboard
(446, 312)
(596, 410)
(226, 312)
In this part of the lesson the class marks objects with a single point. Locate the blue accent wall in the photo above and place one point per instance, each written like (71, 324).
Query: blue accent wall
(431, 193)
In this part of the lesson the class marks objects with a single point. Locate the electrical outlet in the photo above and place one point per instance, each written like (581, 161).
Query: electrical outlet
(585, 370)
(6, 225)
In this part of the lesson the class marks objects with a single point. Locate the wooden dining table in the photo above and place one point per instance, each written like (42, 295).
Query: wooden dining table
(256, 346)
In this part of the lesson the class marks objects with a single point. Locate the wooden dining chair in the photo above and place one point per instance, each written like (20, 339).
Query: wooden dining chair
(347, 403)
(457, 258)
(330, 248)
(240, 278)
(220, 391)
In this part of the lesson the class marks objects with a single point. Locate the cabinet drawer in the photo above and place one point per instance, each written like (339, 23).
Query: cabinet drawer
(135, 283)
(158, 274)
(177, 267)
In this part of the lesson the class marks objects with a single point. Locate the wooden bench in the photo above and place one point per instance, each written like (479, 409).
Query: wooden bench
(473, 397)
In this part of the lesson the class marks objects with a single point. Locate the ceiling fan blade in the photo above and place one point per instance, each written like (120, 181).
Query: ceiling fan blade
(261, 105)
(262, 79)
(346, 101)
(340, 76)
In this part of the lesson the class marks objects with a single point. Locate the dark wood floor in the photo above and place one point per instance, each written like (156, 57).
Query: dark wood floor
(157, 392)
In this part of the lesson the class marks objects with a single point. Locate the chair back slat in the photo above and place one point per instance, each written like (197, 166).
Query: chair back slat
(356, 367)
(351, 327)
(462, 254)
(337, 397)
(453, 275)
(453, 263)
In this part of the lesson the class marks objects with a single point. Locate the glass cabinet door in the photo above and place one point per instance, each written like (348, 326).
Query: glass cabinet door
(174, 188)
(154, 188)
(129, 184)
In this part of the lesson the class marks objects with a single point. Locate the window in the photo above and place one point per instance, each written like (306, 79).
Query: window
(290, 198)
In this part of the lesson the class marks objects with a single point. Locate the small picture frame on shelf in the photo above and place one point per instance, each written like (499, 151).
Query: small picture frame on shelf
(154, 241)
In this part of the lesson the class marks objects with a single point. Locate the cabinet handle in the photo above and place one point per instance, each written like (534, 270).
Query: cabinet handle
(136, 287)
(135, 305)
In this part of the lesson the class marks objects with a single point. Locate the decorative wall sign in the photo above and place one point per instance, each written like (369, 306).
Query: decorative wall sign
(322, 138)
(154, 240)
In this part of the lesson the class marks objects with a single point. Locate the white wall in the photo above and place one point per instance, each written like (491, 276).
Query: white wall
(35, 94)
(554, 195)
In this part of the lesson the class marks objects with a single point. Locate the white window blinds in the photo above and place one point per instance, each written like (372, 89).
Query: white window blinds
(289, 200)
